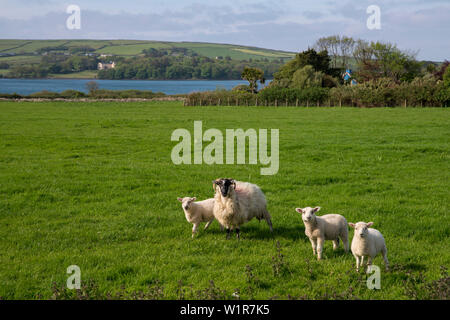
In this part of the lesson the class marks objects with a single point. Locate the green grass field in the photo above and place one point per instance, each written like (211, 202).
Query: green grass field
(93, 185)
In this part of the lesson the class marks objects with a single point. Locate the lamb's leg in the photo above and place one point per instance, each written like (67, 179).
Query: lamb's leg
(357, 262)
(208, 224)
(314, 245)
(194, 229)
(238, 233)
(369, 261)
(362, 261)
(319, 248)
(336, 244)
(228, 233)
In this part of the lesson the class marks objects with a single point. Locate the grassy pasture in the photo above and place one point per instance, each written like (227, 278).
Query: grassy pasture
(92, 184)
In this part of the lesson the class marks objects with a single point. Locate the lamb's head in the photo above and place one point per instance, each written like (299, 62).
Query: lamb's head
(361, 228)
(308, 214)
(186, 202)
(224, 186)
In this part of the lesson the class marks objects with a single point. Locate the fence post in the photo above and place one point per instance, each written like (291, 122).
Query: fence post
(201, 102)
(296, 102)
(340, 103)
(307, 103)
(256, 102)
(218, 102)
(286, 102)
(276, 103)
(405, 103)
(228, 101)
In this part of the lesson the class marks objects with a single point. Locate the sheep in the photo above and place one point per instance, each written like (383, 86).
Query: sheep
(367, 242)
(238, 202)
(197, 212)
(326, 227)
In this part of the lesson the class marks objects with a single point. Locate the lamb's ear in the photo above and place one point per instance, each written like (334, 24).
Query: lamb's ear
(369, 224)
(233, 183)
(351, 224)
(193, 199)
(299, 210)
(180, 199)
(316, 209)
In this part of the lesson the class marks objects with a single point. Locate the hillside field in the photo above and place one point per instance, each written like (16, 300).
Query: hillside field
(92, 184)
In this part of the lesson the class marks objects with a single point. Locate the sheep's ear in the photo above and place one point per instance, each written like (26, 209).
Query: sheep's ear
(233, 183)
(369, 224)
(299, 210)
(351, 224)
(316, 209)
(193, 199)
(180, 199)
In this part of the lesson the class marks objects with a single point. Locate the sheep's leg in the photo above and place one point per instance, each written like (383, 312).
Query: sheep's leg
(314, 245)
(362, 261)
(344, 239)
(269, 221)
(319, 248)
(228, 233)
(208, 224)
(357, 263)
(238, 233)
(194, 229)
(386, 262)
(369, 261)
(336, 244)
(221, 227)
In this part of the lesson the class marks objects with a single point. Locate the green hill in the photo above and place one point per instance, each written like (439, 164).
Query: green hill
(34, 57)
(135, 47)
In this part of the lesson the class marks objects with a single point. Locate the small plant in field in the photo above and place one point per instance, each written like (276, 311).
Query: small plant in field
(310, 269)
(252, 281)
(212, 293)
(181, 292)
(279, 266)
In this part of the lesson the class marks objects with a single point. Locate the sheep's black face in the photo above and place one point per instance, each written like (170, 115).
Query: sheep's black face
(225, 185)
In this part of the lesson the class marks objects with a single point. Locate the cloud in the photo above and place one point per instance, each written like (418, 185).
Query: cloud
(286, 25)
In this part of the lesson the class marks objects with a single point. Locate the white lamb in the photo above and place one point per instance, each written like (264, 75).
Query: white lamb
(238, 202)
(197, 212)
(367, 242)
(326, 227)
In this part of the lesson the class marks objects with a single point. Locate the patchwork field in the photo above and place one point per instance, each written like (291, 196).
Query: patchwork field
(93, 185)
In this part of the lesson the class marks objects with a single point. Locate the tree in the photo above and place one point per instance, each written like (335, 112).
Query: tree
(446, 77)
(306, 77)
(252, 75)
(92, 86)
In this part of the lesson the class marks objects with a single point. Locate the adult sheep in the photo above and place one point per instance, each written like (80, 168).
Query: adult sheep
(237, 202)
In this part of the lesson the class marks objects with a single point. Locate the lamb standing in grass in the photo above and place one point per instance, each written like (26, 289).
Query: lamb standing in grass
(238, 202)
(197, 212)
(326, 227)
(367, 242)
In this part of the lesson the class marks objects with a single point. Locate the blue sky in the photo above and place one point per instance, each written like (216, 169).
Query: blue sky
(418, 26)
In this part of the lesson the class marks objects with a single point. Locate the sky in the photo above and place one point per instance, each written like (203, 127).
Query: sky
(419, 26)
